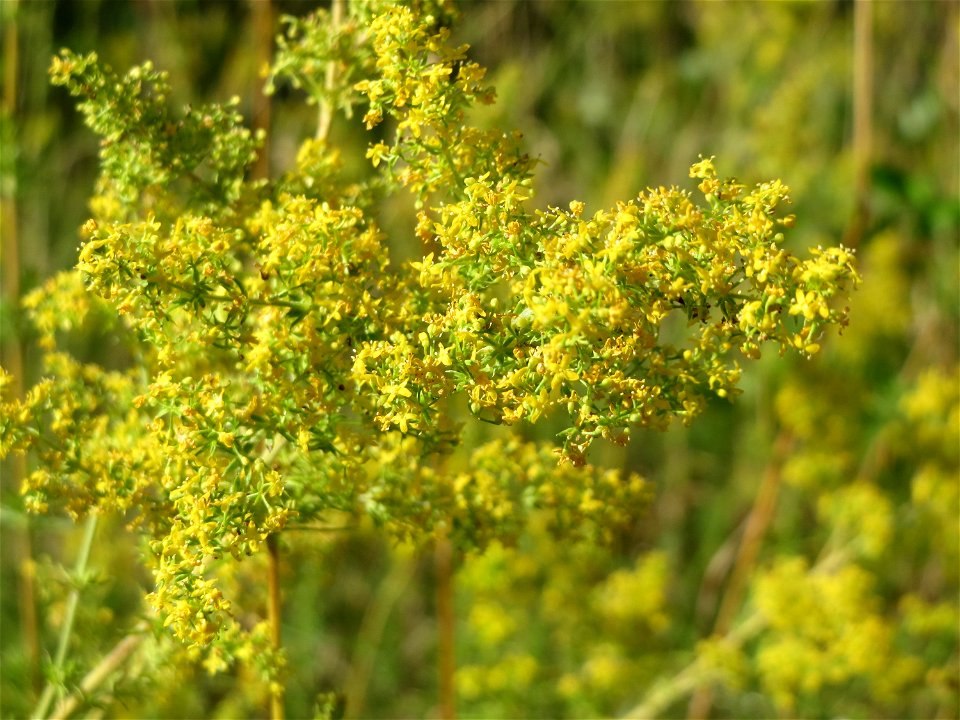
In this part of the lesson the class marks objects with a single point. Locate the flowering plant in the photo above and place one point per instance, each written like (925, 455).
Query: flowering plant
(283, 369)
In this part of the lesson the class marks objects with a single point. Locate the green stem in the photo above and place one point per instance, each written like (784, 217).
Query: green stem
(666, 692)
(262, 20)
(445, 627)
(445, 150)
(371, 632)
(11, 352)
(186, 289)
(274, 614)
(79, 571)
(757, 524)
(326, 109)
(96, 677)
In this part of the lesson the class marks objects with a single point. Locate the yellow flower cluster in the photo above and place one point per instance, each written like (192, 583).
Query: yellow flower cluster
(501, 485)
(826, 630)
(636, 595)
(555, 310)
(80, 424)
(592, 643)
(283, 368)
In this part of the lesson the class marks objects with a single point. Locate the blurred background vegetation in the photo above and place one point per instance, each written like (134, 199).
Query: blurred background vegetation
(800, 554)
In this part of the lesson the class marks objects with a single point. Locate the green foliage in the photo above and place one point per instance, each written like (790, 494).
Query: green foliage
(146, 152)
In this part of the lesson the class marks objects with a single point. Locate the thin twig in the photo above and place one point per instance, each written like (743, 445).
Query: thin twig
(274, 616)
(448, 156)
(758, 521)
(93, 679)
(371, 631)
(262, 21)
(73, 600)
(761, 514)
(445, 627)
(325, 118)
(862, 118)
(13, 349)
(695, 674)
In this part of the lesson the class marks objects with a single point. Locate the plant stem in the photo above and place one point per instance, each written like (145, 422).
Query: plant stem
(273, 614)
(326, 108)
(371, 630)
(12, 358)
(862, 117)
(445, 626)
(66, 630)
(230, 299)
(448, 156)
(261, 19)
(93, 679)
(666, 693)
(758, 521)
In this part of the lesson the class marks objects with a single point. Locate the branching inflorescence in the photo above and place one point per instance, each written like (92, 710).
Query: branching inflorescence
(284, 368)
